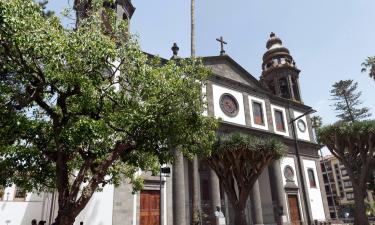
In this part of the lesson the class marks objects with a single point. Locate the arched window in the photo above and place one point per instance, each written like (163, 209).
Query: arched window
(310, 173)
(295, 89)
(284, 90)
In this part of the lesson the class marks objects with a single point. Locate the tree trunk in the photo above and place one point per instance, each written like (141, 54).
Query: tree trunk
(65, 219)
(240, 216)
(360, 217)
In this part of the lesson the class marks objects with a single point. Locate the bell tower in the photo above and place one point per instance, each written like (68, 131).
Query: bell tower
(124, 8)
(279, 71)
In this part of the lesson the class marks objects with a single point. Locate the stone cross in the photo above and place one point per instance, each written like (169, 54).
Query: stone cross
(222, 43)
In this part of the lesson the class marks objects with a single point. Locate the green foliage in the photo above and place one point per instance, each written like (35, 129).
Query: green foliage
(347, 101)
(316, 122)
(368, 66)
(353, 143)
(247, 143)
(43, 5)
(238, 160)
(91, 102)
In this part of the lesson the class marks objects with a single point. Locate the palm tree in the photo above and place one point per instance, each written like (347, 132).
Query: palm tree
(369, 66)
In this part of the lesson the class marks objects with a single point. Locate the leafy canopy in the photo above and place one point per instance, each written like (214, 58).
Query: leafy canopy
(238, 160)
(89, 102)
(368, 66)
(347, 101)
(352, 143)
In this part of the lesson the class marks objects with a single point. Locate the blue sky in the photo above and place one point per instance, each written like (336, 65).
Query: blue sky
(328, 39)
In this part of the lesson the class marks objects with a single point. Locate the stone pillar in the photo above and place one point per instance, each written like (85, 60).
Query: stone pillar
(277, 189)
(214, 191)
(179, 214)
(256, 204)
(196, 203)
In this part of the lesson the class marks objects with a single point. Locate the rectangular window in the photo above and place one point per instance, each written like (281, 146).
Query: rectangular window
(350, 195)
(311, 175)
(258, 113)
(279, 118)
(20, 194)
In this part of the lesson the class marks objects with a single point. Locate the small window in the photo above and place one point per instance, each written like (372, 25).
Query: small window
(279, 118)
(350, 196)
(284, 89)
(2, 192)
(20, 194)
(311, 175)
(258, 113)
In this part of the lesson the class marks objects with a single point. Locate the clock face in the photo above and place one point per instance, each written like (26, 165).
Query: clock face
(289, 173)
(301, 125)
(229, 105)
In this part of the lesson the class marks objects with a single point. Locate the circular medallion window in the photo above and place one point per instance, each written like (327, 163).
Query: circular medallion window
(301, 125)
(289, 173)
(229, 105)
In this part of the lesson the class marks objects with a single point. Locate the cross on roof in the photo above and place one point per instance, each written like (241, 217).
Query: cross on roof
(222, 43)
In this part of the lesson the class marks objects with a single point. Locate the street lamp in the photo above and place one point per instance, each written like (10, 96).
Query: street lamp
(304, 189)
(164, 171)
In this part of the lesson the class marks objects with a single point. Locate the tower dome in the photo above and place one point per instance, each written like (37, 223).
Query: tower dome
(279, 71)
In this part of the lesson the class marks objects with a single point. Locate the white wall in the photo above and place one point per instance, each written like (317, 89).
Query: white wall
(99, 209)
(265, 119)
(282, 109)
(301, 135)
(97, 212)
(217, 92)
(13, 212)
(315, 194)
(289, 161)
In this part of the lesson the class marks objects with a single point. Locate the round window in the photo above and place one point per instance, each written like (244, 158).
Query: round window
(301, 125)
(229, 105)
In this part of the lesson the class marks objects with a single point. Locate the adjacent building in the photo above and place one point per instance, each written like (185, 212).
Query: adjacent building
(339, 189)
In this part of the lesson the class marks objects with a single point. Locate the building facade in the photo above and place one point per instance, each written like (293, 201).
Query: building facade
(289, 191)
(339, 189)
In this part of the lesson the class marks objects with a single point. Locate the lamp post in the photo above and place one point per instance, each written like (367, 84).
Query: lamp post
(300, 169)
(166, 171)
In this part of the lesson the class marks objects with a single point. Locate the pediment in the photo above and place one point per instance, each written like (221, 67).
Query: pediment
(226, 67)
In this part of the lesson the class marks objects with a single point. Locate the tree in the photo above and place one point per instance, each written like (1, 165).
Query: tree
(83, 108)
(369, 66)
(238, 160)
(347, 102)
(353, 143)
(45, 12)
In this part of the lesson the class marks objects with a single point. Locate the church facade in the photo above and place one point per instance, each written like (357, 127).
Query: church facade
(289, 191)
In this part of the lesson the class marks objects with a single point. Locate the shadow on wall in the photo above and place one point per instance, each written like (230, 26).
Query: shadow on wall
(22, 212)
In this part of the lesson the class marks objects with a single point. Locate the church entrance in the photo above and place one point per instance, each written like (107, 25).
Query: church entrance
(295, 216)
(150, 207)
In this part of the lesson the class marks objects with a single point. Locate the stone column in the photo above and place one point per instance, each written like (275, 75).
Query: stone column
(214, 191)
(256, 204)
(277, 189)
(196, 203)
(179, 214)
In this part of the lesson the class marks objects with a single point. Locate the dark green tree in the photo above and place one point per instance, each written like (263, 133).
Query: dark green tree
(80, 109)
(238, 160)
(369, 67)
(347, 101)
(353, 143)
(45, 12)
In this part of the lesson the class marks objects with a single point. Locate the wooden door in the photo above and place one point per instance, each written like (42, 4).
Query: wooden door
(150, 208)
(294, 212)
